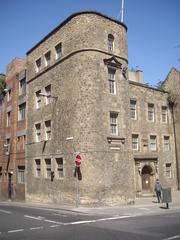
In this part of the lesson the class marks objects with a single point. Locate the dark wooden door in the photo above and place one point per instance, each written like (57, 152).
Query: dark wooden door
(146, 182)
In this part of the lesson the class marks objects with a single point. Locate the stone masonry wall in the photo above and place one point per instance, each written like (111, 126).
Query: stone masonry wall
(82, 110)
(144, 128)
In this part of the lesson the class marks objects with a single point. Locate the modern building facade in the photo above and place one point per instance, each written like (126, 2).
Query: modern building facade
(13, 132)
(81, 98)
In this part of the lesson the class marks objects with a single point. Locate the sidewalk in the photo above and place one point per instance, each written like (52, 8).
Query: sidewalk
(142, 206)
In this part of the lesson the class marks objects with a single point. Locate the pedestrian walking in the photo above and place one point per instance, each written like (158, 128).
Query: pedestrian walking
(158, 189)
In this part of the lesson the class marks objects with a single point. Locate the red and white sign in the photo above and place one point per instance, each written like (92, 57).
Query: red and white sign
(78, 160)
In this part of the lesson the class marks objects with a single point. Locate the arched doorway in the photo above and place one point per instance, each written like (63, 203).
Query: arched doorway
(146, 178)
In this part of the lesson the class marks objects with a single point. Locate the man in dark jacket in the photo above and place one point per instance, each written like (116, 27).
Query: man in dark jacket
(157, 189)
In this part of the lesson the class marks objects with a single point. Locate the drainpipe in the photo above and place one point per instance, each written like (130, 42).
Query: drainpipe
(175, 143)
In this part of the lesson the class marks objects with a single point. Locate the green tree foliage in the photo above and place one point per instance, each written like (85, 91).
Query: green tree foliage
(2, 82)
(171, 96)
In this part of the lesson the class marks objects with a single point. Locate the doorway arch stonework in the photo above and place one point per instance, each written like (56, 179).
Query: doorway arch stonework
(146, 172)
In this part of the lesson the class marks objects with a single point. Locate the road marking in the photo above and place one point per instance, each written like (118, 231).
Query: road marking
(173, 237)
(36, 218)
(96, 220)
(4, 211)
(51, 221)
(17, 230)
(36, 228)
(53, 226)
(39, 218)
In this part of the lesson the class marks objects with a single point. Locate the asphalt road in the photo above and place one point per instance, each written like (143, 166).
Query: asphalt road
(30, 223)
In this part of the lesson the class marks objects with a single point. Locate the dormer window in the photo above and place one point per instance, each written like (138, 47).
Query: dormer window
(47, 58)
(110, 43)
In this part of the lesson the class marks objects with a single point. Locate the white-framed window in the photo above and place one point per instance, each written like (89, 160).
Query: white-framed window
(9, 95)
(135, 142)
(38, 99)
(37, 132)
(151, 112)
(21, 174)
(60, 167)
(22, 86)
(1, 173)
(8, 120)
(111, 80)
(110, 43)
(164, 114)
(8, 146)
(48, 130)
(38, 65)
(58, 50)
(48, 93)
(20, 146)
(166, 143)
(168, 170)
(22, 112)
(48, 167)
(153, 143)
(133, 112)
(47, 58)
(114, 123)
(38, 167)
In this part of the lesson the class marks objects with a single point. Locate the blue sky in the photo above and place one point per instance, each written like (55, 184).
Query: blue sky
(153, 29)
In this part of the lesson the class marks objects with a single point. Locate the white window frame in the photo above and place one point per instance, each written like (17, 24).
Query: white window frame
(1, 173)
(22, 112)
(38, 132)
(38, 65)
(21, 174)
(151, 112)
(9, 95)
(58, 50)
(38, 99)
(48, 163)
(8, 120)
(22, 86)
(47, 129)
(48, 93)
(166, 141)
(112, 81)
(133, 109)
(164, 114)
(153, 143)
(60, 167)
(135, 142)
(47, 58)
(37, 167)
(110, 43)
(114, 123)
(168, 170)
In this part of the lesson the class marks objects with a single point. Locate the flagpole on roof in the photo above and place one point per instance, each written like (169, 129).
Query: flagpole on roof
(122, 10)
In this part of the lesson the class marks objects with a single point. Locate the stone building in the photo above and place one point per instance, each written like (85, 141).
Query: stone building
(172, 85)
(82, 99)
(13, 132)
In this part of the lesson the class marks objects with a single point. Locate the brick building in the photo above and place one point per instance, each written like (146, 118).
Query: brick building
(81, 98)
(13, 132)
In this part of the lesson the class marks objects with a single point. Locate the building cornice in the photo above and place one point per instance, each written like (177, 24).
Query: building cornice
(71, 54)
(146, 86)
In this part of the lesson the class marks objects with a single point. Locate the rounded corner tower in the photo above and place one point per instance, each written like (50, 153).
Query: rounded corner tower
(82, 64)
